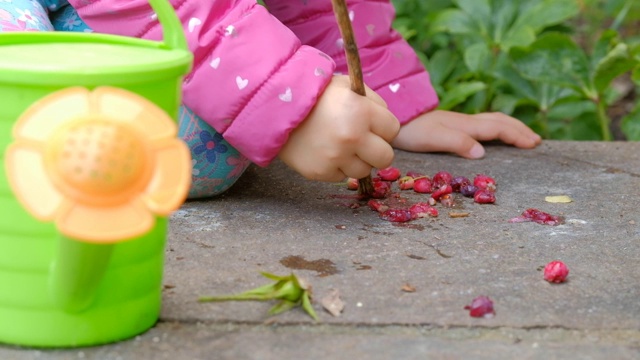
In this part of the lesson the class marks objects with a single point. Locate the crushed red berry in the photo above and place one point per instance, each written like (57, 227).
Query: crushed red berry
(422, 185)
(377, 205)
(481, 306)
(389, 174)
(415, 174)
(381, 189)
(442, 190)
(421, 210)
(556, 272)
(482, 181)
(447, 200)
(484, 196)
(539, 217)
(397, 215)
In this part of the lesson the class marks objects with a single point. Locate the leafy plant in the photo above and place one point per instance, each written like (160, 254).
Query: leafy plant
(520, 58)
(291, 291)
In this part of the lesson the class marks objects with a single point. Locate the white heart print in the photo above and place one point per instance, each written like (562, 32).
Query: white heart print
(394, 87)
(287, 96)
(193, 22)
(319, 72)
(242, 83)
(340, 43)
(352, 15)
(215, 63)
(230, 30)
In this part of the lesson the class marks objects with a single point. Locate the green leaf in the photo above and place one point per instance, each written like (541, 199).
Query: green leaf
(505, 103)
(547, 13)
(453, 21)
(631, 125)
(571, 108)
(617, 62)
(505, 14)
(479, 11)
(441, 65)
(518, 36)
(556, 59)
(606, 41)
(477, 57)
(460, 93)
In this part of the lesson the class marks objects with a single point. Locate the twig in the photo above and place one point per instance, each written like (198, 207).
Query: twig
(365, 185)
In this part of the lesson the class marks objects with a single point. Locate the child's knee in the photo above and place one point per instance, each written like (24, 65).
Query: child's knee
(216, 164)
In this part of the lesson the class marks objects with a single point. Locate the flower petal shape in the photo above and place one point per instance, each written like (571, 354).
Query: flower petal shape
(171, 179)
(32, 185)
(105, 224)
(46, 115)
(126, 106)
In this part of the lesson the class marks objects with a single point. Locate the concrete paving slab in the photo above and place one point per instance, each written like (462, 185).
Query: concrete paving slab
(274, 221)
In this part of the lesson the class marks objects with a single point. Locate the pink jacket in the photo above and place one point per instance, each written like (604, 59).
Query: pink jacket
(255, 79)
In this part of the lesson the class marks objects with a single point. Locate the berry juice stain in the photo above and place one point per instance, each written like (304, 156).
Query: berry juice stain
(323, 267)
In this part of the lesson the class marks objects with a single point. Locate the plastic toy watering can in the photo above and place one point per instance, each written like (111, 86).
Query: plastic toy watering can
(92, 169)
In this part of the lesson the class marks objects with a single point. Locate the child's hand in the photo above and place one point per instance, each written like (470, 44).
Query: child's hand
(345, 135)
(459, 133)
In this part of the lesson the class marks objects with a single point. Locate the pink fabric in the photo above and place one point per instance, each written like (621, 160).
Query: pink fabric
(253, 80)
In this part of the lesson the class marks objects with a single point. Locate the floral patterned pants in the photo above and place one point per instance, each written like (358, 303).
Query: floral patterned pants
(216, 164)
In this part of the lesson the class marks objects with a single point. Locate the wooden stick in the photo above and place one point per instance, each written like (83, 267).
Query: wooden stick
(365, 185)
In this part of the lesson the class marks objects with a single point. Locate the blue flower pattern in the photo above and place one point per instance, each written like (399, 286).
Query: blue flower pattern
(211, 146)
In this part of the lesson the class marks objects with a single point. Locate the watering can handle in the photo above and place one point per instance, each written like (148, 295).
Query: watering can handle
(172, 31)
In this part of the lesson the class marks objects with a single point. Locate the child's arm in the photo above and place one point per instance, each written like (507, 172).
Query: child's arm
(391, 68)
(255, 83)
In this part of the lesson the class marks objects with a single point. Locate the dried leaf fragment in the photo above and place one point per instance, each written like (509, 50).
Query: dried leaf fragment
(408, 288)
(456, 214)
(332, 303)
(558, 199)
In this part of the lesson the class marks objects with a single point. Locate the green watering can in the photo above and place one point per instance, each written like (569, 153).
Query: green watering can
(92, 169)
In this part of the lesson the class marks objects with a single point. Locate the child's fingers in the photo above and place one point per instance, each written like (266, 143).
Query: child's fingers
(490, 126)
(384, 124)
(375, 151)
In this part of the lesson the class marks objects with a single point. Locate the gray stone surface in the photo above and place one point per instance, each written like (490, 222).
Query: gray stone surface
(220, 246)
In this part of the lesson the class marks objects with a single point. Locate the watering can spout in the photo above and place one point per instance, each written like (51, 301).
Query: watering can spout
(77, 272)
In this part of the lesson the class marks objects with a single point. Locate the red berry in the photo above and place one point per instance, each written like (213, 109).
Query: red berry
(481, 306)
(381, 189)
(421, 210)
(406, 183)
(468, 190)
(556, 272)
(484, 196)
(352, 184)
(458, 182)
(482, 181)
(442, 190)
(377, 205)
(422, 185)
(397, 215)
(389, 174)
(442, 178)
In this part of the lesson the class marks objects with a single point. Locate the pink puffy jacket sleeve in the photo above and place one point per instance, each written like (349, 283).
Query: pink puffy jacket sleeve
(390, 65)
(252, 79)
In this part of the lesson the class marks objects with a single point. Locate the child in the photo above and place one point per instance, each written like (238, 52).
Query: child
(263, 85)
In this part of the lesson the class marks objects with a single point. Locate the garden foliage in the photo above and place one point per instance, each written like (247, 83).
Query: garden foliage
(522, 58)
